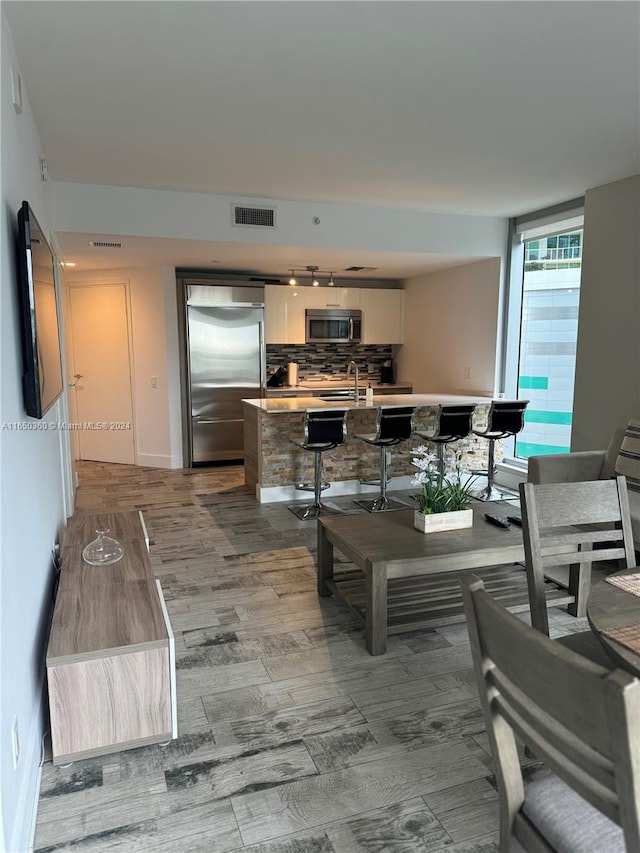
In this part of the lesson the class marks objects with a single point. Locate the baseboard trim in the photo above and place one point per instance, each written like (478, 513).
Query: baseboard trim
(275, 494)
(34, 811)
(23, 832)
(156, 460)
(280, 494)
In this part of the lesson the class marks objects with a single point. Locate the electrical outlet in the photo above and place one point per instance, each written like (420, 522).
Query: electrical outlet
(15, 742)
(467, 373)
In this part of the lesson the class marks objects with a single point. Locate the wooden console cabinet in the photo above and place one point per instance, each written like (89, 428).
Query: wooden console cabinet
(111, 654)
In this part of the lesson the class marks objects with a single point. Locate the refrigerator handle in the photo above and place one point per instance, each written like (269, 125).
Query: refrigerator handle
(263, 359)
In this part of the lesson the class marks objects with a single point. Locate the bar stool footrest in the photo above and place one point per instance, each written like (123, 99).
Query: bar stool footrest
(311, 487)
(493, 494)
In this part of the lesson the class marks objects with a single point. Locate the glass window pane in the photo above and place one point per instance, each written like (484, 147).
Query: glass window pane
(547, 346)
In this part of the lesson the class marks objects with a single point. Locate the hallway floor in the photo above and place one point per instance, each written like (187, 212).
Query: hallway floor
(292, 739)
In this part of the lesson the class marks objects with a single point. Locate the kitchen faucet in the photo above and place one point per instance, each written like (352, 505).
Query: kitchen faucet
(355, 379)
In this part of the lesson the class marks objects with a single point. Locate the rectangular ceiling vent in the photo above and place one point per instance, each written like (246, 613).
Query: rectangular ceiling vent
(360, 269)
(104, 244)
(254, 217)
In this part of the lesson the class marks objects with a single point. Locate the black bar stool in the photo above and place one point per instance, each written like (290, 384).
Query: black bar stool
(452, 423)
(322, 431)
(393, 426)
(505, 418)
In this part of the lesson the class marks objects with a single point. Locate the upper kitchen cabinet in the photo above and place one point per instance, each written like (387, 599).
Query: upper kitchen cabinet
(382, 316)
(332, 297)
(284, 314)
(382, 311)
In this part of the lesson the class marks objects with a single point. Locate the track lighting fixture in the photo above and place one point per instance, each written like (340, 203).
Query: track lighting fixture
(314, 273)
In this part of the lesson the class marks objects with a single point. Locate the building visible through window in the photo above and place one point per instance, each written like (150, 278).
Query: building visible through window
(548, 335)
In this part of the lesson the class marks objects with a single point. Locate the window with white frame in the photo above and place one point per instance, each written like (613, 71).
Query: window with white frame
(542, 328)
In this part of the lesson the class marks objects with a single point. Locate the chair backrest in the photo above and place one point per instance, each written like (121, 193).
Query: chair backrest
(560, 524)
(326, 427)
(394, 424)
(579, 718)
(505, 417)
(453, 422)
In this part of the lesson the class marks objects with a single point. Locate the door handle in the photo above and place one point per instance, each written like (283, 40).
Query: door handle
(73, 384)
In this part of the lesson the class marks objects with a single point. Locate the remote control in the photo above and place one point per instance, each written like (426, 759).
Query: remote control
(515, 519)
(498, 520)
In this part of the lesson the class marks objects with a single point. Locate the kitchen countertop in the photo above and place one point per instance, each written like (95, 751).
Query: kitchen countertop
(274, 405)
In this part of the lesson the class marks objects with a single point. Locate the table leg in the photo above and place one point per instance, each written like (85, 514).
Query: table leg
(325, 561)
(376, 608)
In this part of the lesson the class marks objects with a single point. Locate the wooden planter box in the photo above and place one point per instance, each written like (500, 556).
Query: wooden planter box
(439, 521)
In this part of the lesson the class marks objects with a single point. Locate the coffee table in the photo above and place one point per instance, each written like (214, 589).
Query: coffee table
(405, 579)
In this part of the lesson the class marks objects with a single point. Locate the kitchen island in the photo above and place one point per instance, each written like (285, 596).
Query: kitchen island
(273, 464)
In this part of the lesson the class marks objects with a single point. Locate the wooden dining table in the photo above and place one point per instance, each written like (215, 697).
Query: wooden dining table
(614, 615)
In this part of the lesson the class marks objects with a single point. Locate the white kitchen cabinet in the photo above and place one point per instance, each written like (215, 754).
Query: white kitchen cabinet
(382, 311)
(284, 314)
(382, 316)
(332, 297)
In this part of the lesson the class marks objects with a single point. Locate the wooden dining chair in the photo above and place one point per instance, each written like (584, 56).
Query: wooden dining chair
(561, 522)
(580, 719)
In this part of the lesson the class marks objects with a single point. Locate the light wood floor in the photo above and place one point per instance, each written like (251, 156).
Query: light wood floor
(292, 738)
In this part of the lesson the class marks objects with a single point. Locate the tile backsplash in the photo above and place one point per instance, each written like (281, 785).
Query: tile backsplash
(327, 358)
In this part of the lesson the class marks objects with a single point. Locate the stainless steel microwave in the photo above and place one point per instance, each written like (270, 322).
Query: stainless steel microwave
(333, 326)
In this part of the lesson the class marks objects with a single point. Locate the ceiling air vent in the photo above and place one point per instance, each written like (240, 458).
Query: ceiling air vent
(104, 244)
(254, 217)
(360, 269)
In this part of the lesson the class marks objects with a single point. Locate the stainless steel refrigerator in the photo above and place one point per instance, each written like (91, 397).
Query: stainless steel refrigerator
(224, 332)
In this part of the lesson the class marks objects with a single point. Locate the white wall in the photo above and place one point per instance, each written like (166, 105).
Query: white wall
(154, 348)
(607, 384)
(30, 488)
(451, 328)
(89, 209)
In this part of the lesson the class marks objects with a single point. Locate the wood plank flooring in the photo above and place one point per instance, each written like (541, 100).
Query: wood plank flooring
(292, 738)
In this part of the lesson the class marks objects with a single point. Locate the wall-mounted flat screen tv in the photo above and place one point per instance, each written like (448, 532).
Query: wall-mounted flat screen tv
(42, 362)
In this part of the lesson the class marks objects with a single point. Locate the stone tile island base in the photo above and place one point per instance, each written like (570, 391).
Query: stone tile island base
(274, 465)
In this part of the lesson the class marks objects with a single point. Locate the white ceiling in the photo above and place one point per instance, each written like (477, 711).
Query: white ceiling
(493, 108)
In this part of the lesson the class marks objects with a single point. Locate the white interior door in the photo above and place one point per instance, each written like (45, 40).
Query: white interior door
(104, 409)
